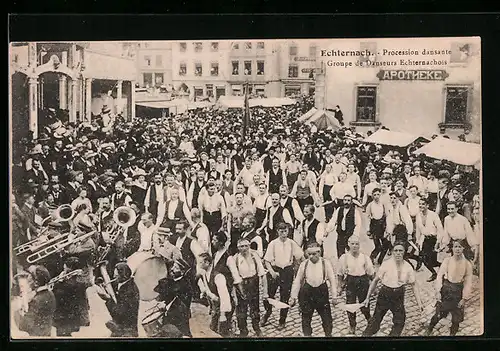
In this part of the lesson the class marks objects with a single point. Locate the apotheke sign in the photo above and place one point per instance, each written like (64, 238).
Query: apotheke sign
(423, 74)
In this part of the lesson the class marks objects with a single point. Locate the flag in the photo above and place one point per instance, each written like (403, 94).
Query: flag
(246, 114)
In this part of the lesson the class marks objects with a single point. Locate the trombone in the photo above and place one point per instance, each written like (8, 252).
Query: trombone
(105, 281)
(124, 217)
(57, 247)
(63, 213)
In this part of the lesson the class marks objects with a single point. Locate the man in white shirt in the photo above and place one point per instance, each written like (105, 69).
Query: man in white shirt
(170, 186)
(355, 272)
(457, 226)
(353, 178)
(429, 231)
(311, 289)
(250, 270)
(147, 230)
(346, 221)
(253, 190)
(280, 257)
(199, 231)
(246, 174)
(213, 208)
(416, 179)
(337, 166)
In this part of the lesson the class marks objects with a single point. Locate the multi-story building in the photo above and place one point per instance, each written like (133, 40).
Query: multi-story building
(154, 63)
(254, 62)
(200, 67)
(297, 61)
(424, 86)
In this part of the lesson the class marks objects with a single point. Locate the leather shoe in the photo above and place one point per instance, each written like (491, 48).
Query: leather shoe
(280, 326)
(265, 319)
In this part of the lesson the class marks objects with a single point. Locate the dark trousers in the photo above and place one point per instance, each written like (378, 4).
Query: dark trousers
(382, 245)
(284, 283)
(235, 235)
(342, 239)
(451, 294)
(221, 328)
(389, 299)
(213, 221)
(357, 288)
(251, 301)
(303, 202)
(315, 299)
(429, 256)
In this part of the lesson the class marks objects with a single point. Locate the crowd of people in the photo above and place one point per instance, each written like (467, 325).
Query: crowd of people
(229, 220)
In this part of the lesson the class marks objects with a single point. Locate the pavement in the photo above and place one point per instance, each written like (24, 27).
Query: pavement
(414, 326)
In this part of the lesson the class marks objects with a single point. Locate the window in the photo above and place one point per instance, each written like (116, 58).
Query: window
(260, 45)
(210, 90)
(260, 90)
(293, 71)
(248, 68)
(159, 59)
(293, 50)
(148, 79)
(182, 47)
(214, 69)
(312, 51)
(260, 68)
(198, 46)
(182, 69)
(214, 46)
(248, 45)
(198, 69)
(220, 91)
(198, 92)
(456, 105)
(366, 104)
(292, 90)
(235, 68)
(147, 61)
(158, 79)
(236, 46)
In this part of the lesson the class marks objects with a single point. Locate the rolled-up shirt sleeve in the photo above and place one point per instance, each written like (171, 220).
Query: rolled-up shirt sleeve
(231, 263)
(224, 299)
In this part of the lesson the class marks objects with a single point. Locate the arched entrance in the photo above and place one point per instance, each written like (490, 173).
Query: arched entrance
(52, 88)
(20, 106)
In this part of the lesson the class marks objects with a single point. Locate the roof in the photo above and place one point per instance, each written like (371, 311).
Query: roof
(459, 152)
(392, 138)
(324, 119)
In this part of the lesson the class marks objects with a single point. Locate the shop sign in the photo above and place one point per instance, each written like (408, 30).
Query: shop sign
(420, 74)
(307, 70)
(303, 58)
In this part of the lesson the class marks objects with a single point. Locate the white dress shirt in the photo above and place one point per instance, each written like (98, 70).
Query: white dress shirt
(314, 276)
(146, 236)
(398, 215)
(248, 266)
(355, 266)
(202, 237)
(341, 189)
(281, 253)
(428, 225)
(393, 277)
(458, 227)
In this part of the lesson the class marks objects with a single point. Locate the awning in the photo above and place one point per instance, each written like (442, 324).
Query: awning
(392, 138)
(459, 152)
(239, 102)
(324, 119)
(306, 116)
(163, 104)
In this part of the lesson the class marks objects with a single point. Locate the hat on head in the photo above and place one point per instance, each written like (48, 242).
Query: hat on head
(37, 149)
(43, 137)
(69, 148)
(105, 109)
(60, 132)
(387, 170)
(89, 154)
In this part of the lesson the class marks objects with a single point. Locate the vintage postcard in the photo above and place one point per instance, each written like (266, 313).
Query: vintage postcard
(246, 188)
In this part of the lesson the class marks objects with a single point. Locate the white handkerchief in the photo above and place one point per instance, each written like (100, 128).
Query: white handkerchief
(352, 307)
(277, 304)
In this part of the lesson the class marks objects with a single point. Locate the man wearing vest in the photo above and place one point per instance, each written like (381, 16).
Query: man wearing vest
(355, 271)
(154, 195)
(120, 198)
(213, 208)
(189, 250)
(291, 205)
(250, 268)
(173, 211)
(249, 233)
(312, 229)
(346, 221)
(275, 214)
(279, 259)
(196, 189)
(200, 231)
(311, 290)
(275, 177)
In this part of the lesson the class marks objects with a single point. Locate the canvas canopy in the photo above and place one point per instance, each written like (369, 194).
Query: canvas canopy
(308, 114)
(239, 102)
(459, 152)
(392, 138)
(324, 119)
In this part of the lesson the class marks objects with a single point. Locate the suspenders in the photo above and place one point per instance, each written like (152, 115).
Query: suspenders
(305, 272)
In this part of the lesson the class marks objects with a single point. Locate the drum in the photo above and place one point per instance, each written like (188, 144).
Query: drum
(147, 269)
(153, 323)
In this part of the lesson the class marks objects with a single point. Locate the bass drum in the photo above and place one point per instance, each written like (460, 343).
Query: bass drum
(147, 270)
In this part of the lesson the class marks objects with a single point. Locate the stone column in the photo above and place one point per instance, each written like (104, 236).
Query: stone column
(319, 92)
(119, 94)
(33, 106)
(131, 101)
(63, 93)
(73, 101)
(88, 99)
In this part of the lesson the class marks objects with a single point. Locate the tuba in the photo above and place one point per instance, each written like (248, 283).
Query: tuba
(63, 213)
(124, 217)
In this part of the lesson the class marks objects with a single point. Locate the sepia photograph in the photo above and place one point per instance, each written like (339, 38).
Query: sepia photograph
(250, 188)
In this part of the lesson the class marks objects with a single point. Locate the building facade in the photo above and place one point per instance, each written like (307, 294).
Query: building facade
(154, 64)
(423, 86)
(200, 68)
(79, 78)
(297, 62)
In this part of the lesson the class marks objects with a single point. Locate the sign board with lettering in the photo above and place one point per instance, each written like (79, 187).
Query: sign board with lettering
(419, 74)
(302, 58)
(307, 70)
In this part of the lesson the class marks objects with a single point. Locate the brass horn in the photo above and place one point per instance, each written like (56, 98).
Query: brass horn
(124, 216)
(63, 213)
